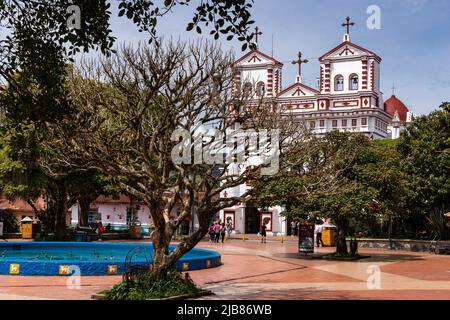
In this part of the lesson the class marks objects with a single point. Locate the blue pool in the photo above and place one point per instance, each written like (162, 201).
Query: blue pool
(89, 258)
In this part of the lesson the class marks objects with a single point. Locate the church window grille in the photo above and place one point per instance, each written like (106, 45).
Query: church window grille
(364, 121)
(354, 80)
(322, 123)
(344, 123)
(339, 83)
(334, 123)
(354, 122)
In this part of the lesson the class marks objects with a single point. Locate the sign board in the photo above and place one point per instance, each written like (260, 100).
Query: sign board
(230, 216)
(266, 217)
(306, 238)
(1, 229)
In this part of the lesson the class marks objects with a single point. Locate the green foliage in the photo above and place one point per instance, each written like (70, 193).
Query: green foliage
(172, 284)
(425, 151)
(10, 224)
(366, 171)
(48, 21)
(364, 183)
(223, 17)
(425, 148)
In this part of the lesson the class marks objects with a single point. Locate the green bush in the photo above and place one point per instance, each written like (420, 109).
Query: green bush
(172, 284)
(10, 224)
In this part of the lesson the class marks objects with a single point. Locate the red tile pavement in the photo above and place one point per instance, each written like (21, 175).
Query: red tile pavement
(339, 295)
(252, 270)
(433, 268)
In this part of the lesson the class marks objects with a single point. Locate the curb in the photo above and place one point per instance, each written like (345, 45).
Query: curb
(202, 293)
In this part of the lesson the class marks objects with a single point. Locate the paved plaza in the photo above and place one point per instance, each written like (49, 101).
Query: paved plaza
(252, 270)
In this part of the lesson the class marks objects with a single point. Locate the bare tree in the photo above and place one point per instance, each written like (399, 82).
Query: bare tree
(132, 107)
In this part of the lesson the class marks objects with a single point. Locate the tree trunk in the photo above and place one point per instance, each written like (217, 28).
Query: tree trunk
(61, 211)
(161, 237)
(83, 215)
(341, 242)
(161, 264)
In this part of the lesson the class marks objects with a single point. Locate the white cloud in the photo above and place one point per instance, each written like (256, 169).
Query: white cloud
(415, 5)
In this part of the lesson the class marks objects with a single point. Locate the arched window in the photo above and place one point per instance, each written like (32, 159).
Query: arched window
(339, 83)
(260, 89)
(354, 80)
(248, 88)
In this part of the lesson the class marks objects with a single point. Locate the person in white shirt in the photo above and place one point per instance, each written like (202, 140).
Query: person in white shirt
(318, 231)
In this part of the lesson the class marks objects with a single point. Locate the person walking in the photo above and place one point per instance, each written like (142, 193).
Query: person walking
(263, 232)
(318, 231)
(216, 231)
(229, 227)
(211, 233)
(223, 231)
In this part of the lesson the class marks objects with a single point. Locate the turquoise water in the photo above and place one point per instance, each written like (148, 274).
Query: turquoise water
(93, 258)
(54, 251)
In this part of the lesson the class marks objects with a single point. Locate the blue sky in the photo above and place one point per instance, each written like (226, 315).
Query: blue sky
(414, 40)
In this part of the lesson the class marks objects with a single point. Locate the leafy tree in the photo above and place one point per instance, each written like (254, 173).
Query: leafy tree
(24, 173)
(425, 151)
(39, 38)
(229, 18)
(345, 178)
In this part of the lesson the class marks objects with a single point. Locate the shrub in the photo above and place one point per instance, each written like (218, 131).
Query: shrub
(172, 284)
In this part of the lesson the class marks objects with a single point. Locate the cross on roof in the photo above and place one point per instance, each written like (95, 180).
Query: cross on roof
(348, 24)
(393, 89)
(256, 34)
(300, 62)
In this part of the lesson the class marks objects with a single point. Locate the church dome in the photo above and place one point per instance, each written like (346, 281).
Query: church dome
(394, 105)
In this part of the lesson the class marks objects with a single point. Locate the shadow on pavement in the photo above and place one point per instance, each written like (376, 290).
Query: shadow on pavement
(374, 257)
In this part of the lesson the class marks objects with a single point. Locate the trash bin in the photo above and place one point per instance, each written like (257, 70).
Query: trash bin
(36, 229)
(328, 236)
(81, 236)
(27, 228)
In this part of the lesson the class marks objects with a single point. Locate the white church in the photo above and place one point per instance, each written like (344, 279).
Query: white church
(348, 98)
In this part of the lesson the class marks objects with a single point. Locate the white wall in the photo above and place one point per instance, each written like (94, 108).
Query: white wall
(345, 68)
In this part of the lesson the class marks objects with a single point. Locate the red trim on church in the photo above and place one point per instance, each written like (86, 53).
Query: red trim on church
(343, 44)
(269, 82)
(298, 84)
(260, 53)
(372, 79)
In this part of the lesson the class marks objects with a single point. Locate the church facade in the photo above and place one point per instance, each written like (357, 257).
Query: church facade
(348, 98)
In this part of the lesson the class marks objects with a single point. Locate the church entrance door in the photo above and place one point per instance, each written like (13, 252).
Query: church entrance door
(252, 219)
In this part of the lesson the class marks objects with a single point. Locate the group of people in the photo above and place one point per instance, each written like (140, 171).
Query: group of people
(218, 230)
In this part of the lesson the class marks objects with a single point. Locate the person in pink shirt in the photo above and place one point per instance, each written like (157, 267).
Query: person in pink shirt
(217, 231)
